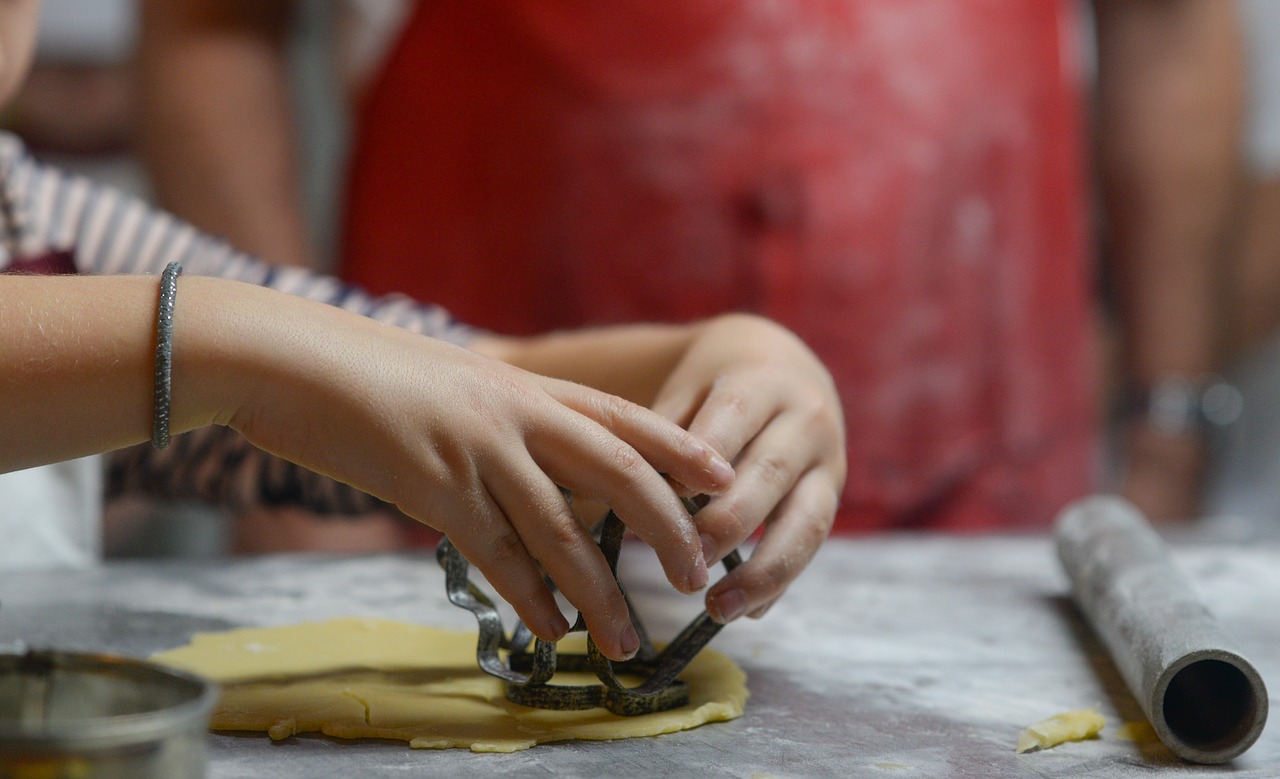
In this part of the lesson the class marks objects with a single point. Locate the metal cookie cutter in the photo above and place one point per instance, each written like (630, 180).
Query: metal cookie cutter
(527, 673)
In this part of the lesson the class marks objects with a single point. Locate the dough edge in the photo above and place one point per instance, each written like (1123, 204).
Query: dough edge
(333, 667)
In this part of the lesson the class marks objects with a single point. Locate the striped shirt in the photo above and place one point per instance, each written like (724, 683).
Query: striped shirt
(43, 209)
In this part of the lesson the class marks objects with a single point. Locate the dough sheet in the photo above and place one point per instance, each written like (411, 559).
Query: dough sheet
(367, 678)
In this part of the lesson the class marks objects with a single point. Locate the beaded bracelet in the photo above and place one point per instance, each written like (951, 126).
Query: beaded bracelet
(164, 354)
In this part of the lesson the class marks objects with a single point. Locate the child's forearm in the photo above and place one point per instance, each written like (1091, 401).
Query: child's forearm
(77, 356)
(632, 361)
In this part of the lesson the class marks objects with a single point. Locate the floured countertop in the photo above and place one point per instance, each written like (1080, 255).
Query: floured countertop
(899, 656)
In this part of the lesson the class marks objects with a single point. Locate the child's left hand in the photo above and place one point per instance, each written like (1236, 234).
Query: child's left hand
(752, 391)
(758, 395)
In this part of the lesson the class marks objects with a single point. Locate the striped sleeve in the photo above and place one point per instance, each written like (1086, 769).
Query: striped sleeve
(111, 232)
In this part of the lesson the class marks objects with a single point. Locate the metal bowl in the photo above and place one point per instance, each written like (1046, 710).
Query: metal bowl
(66, 715)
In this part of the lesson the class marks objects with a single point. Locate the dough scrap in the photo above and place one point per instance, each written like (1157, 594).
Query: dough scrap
(366, 678)
(1076, 725)
(1139, 732)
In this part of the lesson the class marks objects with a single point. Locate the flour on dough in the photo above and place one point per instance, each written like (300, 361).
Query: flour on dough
(364, 678)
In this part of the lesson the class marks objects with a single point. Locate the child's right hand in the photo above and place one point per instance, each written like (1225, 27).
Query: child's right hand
(464, 443)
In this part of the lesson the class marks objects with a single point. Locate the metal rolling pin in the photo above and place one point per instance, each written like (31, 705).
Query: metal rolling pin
(1206, 702)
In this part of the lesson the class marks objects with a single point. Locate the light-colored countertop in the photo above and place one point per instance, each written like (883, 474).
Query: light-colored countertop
(899, 656)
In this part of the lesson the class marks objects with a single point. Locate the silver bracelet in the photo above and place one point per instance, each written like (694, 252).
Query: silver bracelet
(1178, 405)
(164, 354)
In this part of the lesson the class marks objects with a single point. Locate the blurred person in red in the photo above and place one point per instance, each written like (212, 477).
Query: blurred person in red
(904, 183)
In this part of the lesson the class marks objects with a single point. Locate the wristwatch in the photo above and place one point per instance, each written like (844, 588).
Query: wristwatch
(1178, 405)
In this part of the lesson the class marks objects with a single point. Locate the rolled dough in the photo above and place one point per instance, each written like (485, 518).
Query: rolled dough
(364, 678)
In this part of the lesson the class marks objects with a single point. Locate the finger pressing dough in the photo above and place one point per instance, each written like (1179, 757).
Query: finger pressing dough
(362, 678)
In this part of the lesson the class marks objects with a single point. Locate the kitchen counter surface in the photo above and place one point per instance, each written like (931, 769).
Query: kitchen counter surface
(897, 656)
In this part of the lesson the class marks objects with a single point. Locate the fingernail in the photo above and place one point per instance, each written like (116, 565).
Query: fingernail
(728, 606)
(699, 577)
(630, 642)
(720, 470)
(708, 549)
(559, 627)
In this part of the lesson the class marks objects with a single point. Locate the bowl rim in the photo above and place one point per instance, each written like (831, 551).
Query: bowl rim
(190, 714)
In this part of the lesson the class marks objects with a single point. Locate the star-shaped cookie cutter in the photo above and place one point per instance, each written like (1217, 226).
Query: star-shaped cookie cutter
(527, 674)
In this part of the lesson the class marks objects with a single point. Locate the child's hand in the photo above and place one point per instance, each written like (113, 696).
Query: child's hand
(756, 393)
(479, 450)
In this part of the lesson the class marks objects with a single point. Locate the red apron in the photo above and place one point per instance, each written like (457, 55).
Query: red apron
(898, 181)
